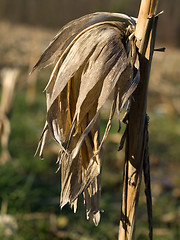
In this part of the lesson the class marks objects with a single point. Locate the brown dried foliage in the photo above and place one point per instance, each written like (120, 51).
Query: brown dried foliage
(94, 56)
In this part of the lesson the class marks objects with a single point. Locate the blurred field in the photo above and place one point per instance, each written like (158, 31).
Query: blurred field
(56, 13)
(29, 187)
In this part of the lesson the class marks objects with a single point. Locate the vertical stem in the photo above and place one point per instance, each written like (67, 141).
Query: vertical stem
(136, 137)
(142, 18)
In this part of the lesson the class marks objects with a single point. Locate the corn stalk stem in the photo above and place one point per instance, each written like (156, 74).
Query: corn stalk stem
(136, 143)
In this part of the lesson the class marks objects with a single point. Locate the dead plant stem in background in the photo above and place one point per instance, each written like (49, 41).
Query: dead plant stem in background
(137, 156)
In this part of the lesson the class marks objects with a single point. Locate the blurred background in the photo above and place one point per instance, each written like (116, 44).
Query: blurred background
(30, 187)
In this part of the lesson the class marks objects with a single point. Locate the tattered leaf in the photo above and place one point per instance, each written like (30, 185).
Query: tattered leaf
(95, 58)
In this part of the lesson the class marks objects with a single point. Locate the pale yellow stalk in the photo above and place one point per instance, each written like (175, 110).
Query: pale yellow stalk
(136, 131)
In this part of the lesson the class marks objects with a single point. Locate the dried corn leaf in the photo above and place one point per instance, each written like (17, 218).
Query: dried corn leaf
(72, 29)
(95, 58)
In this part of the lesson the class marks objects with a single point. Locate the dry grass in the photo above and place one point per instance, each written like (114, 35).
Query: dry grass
(19, 43)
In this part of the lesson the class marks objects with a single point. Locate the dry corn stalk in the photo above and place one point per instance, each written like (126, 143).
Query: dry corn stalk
(137, 156)
(94, 56)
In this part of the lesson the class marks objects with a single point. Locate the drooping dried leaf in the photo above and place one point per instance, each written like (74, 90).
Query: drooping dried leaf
(72, 29)
(95, 58)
